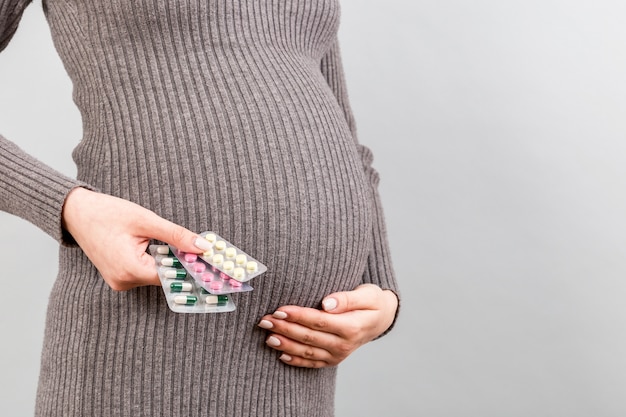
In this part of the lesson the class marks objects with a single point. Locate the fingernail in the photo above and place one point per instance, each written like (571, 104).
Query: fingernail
(272, 341)
(285, 358)
(266, 324)
(202, 244)
(329, 304)
(280, 314)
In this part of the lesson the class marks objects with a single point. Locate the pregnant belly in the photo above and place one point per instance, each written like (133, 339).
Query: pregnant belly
(282, 181)
(301, 206)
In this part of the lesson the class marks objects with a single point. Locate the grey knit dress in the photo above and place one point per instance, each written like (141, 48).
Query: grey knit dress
(224, 115)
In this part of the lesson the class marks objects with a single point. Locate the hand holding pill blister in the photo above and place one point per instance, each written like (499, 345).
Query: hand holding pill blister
(203, 284)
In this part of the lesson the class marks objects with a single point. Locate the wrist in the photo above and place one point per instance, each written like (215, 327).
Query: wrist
(392, 304)
(71, 207)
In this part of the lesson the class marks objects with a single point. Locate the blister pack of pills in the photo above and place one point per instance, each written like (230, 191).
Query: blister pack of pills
(204, 284)
(182, 292)
(230, 260)
(206, 276)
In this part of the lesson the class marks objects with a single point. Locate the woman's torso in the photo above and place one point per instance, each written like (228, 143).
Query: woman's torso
(215, 115)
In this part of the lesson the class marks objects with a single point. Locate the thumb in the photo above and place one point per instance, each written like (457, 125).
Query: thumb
(362, 297)
(177, 236)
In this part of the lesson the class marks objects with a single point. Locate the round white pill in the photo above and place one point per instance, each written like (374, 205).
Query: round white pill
(228, 266)
(220, 245)
(252, 266)
(208, 253)
(230, 253)
(241, 259)
(218, 259)
(211, 237)
(239, 273)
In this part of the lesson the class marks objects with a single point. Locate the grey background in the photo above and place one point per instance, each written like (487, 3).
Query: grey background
(498, 128)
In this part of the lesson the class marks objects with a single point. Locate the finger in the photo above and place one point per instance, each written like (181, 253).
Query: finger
(136, 271)
(309, 356)
(309, 318)
(302, 334)
(302, 362)
(364, 297)
(181, 238)
(148, 272)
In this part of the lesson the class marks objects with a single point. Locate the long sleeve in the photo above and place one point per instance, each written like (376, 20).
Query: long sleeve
(379, 269)
(32, 190)
(28, 188)
(10, 15)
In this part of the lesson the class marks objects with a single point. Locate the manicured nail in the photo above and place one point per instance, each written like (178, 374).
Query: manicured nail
(272, 341)
(202, 244)
(266, 324)
(329, 304)
(280, 315)
(285, 358)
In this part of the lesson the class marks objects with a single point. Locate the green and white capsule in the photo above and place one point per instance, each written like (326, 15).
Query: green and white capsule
(181, 286)
(217, 300)
(171, 262)
(187, 300)
(175, 273)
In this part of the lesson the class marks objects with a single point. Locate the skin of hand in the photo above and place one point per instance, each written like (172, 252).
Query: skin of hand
(313, 338)
(114, 234)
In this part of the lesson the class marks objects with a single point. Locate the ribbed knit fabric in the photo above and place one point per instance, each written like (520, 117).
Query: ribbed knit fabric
(224, 115)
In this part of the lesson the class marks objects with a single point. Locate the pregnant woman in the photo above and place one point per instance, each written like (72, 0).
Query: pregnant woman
(224, 115)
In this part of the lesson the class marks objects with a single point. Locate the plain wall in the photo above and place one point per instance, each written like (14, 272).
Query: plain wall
(498, 128)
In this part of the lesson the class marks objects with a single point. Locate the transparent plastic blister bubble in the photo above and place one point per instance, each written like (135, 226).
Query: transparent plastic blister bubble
(183, 294)
(230, 260)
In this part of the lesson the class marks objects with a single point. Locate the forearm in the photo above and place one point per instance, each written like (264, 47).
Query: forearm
(32, 190)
